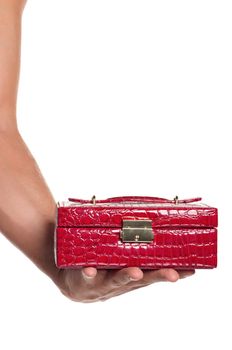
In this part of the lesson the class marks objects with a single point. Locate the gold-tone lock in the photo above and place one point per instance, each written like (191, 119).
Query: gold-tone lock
(137, 231)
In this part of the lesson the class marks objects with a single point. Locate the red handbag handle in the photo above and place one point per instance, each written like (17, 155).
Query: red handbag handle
(145, 199)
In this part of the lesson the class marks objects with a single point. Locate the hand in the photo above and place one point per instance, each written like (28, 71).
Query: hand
(90, 285)
(28, 219)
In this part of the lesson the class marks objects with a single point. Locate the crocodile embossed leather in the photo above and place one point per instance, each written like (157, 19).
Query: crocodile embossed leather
(148, 232)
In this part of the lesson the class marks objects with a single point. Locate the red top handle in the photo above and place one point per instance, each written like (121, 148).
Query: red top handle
(144, 199)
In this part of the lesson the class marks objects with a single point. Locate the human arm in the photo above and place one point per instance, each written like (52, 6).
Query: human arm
(27, 206)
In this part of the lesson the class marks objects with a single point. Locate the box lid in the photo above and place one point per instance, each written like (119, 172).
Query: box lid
(71, 214)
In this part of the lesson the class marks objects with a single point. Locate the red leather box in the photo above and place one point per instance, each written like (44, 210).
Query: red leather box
(147, 232)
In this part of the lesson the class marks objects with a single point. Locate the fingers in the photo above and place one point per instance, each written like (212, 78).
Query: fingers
(131, 277)
(149, 277)
(89, 284)
(165, 274)
(135, 273)
(186, 273)
(89, 274)
(118, 291)
(130, 274)
(124, 276)
(169, 275)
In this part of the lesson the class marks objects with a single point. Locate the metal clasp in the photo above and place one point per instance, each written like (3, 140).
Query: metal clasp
(176, 199)
(137, 231)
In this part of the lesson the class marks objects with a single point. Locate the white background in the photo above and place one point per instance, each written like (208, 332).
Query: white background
(125, 98)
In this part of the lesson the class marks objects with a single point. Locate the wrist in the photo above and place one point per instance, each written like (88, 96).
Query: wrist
(44, 257)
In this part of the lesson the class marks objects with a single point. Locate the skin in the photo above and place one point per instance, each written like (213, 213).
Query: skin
(27, 207)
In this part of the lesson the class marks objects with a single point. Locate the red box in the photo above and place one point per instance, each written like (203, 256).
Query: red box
(147, 232)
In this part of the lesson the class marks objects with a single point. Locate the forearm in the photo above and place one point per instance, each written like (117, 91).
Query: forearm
(10, 42)
(27, 207)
